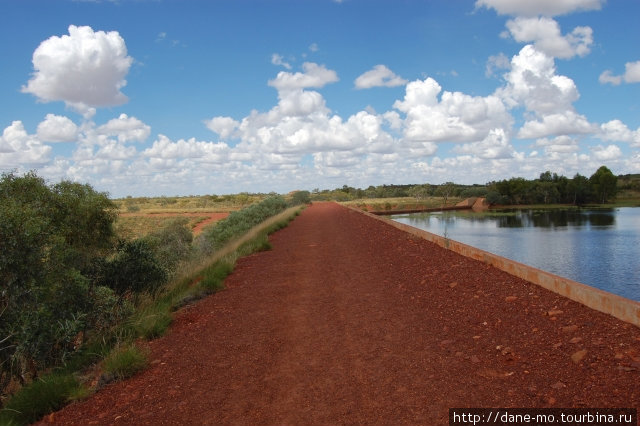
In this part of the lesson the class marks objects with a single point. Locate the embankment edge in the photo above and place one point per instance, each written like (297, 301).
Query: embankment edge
(622, 308)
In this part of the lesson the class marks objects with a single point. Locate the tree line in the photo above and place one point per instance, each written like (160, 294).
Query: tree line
(549, 188)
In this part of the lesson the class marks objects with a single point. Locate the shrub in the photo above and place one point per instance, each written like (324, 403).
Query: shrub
(134, 268)
(171, 244)
(239, 222)
(301, 197)
(51, 239)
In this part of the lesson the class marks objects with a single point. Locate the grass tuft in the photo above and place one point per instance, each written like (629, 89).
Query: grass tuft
(40, 397)
(125, 361)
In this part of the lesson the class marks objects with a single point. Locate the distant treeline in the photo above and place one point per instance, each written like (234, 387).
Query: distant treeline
(550, 188)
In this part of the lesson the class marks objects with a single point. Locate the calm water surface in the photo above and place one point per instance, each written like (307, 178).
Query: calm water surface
(596, 247)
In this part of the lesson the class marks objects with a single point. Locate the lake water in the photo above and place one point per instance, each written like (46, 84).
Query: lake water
(599, 247)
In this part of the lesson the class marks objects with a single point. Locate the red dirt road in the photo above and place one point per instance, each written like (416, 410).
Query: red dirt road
(350, 321)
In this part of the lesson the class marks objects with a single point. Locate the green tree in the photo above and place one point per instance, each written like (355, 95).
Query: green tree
(578, 190)
(603, 183)
(51, 239)
(420, 192)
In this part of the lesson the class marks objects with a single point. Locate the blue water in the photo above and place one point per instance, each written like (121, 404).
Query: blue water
(600, 247)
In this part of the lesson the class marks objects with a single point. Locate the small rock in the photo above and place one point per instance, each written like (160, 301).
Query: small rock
(459, 354)
(578, 356)
(570, 329)
(446, 342)
(475, 359)
(576, 340)
(558, 385)
(551, 400)
(510, 298)
(453, 284)
(554, 312)
(619, 356)
(476, 337)
(557, 345)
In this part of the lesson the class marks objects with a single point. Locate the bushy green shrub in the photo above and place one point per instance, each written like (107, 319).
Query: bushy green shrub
(239, 222)
(300, 197)
(134, 269)
(171, 244)
(51, 239)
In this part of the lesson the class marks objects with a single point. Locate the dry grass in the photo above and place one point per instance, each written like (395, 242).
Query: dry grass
(400, 203)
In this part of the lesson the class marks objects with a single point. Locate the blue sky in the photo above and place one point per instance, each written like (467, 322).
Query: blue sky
(167, 97)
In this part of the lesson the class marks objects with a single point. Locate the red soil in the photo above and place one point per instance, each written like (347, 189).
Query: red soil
(350, 321)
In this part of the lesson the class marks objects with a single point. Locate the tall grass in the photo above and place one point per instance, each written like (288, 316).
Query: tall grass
(42, 396)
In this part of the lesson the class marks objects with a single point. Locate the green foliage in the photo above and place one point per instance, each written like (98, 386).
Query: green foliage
(603, 184)
(300, 197)
(551, 188)
(52, 239)
(125, 361)
(134, 269)
(213, 276)
(171, 244)
(42, 396)
(239, 222)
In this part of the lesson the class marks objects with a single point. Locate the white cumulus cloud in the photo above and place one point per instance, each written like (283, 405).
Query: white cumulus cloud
(616, 130)
(224, 126)
(546, 35)
(18, 148)
(126, 129)
(608, 153)
(539, 7)
(631, 75)
(379, 76)
(56, 128)
(455, 117)
(314, 75)
(84, 69)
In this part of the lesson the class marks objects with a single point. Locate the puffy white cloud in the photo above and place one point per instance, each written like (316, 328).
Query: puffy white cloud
(539, 7)
(632, 72)
(608, 153)
(608, 77)
(546, 35)
(18, 148)
(204, 152)
(616, 130)
(631, 75)
(533, 83)
(126, 129)
(559, 144)
(314, 75)
(56, 128)
(85, 69)
(224, 126)
(495, 146)
(379, 76)
(456, 117)
(113, 150)
(564, 123)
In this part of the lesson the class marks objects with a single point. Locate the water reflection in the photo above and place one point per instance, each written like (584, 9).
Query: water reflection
(597, 247)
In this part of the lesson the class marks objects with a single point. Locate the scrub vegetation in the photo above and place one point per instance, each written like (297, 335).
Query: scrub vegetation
(77, 294)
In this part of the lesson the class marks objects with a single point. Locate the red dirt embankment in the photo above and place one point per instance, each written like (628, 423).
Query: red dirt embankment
(350, 321)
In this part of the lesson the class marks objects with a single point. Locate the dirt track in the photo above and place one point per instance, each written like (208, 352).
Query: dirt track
(351, 321)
